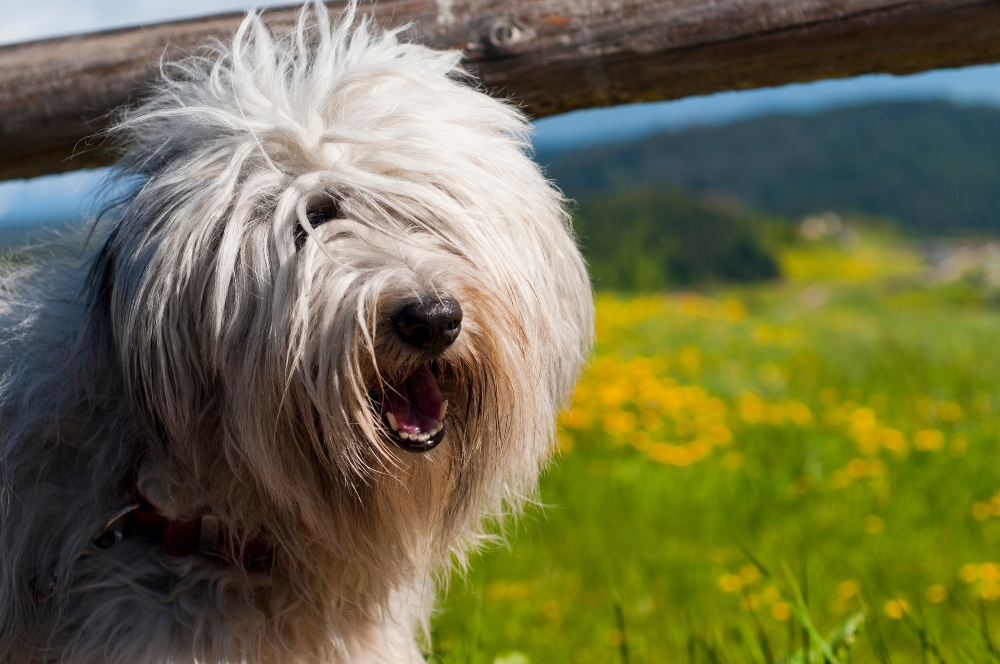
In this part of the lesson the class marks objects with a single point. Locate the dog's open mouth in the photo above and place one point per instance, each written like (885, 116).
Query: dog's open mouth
(414, 410)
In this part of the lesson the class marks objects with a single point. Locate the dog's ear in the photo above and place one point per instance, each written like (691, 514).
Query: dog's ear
(98, 288)
(157, 379)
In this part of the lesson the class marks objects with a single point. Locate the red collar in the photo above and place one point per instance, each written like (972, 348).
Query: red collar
(205, 535)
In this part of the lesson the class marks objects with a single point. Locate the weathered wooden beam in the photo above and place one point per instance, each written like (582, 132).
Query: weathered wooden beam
(553, 55)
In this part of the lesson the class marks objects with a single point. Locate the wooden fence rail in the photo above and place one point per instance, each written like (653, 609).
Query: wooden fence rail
(553, 55)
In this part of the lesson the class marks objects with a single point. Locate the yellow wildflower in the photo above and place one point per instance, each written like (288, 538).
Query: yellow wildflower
(896, 608)
(730, 583)
(928, 440)
(690, 360)
(799, 413)
(857, 468)
(771, 594)
(564, 440)
(874, 524)
(732, 310)
(781, 611)
(936, 593)
(862, 419)
(981, 511)
(619, 422)
(749, 574)
(892, 440)
(989, 572)
(949, 411)
(751, 408)
(613, 395)
(848, 589)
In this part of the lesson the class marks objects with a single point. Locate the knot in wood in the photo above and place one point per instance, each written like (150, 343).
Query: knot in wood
(505, 33)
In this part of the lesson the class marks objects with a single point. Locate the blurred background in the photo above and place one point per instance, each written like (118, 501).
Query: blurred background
(785, 448)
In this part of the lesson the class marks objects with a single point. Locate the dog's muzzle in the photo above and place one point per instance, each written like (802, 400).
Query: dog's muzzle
(413, 407)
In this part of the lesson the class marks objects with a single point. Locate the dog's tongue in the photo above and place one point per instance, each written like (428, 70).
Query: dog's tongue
(415, 402)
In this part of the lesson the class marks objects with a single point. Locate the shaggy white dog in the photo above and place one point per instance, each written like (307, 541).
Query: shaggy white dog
(325, 340)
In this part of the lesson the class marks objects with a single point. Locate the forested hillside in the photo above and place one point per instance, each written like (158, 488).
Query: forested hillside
(643, 240)
(931, 166)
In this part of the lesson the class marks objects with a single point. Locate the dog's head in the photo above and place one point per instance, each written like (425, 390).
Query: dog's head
(338, 274)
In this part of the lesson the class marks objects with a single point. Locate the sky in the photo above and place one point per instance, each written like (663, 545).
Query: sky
(65, 196)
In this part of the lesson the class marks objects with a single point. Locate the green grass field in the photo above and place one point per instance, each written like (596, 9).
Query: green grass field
(799, 471)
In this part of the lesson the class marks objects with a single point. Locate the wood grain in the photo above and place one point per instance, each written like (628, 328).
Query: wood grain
(552, 55)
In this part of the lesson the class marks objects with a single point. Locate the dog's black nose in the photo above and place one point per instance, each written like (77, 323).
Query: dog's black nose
(431, 324)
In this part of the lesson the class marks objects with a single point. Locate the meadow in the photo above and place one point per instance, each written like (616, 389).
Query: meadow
(806, 470)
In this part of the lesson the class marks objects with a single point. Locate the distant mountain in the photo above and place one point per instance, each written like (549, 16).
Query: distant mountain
(931, 166)
(641, 240)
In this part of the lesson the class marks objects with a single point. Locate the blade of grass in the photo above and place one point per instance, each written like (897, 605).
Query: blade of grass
(985, 628)
(750, 643)
(762, 641)
(927, 645)
(846, 634)
(616, 599)
(477, 619)
(801, 612)
(805, 607)
(875, 634)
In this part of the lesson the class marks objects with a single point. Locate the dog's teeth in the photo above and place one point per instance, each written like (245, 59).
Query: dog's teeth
(444, 409)
(392, 421)
(404, 435)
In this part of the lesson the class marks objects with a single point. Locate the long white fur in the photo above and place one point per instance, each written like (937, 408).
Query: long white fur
(205, 354)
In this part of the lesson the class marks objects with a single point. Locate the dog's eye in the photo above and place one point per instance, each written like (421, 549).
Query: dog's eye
(323, 211)
(319, 212)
